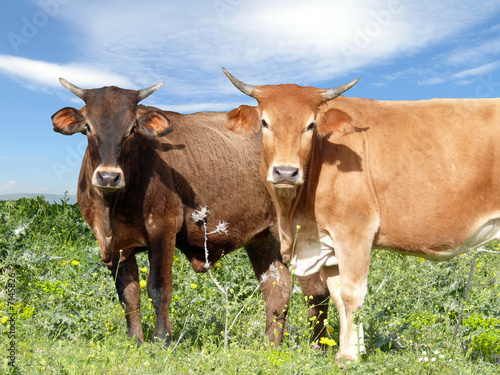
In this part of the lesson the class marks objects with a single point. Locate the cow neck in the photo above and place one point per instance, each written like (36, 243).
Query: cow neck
(133, 170)
(105, 205)
(302, 196)
(286, 202)
(103, 213)
(314, 165)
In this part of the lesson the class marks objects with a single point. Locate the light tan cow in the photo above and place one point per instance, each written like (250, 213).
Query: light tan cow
(417, 177)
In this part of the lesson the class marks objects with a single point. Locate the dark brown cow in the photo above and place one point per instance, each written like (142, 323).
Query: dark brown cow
(138, 189)
(421, 178)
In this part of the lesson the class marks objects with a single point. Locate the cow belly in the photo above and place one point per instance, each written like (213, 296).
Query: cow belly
(310, 255)
(484, 234)
(486, 231)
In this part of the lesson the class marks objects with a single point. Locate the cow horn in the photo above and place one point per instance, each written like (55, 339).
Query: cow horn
(243, 87)
(144, 93)
(74, 89)
(336, 91)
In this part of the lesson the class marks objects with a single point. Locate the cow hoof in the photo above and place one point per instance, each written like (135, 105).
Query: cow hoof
(345, 359)
(165, 340)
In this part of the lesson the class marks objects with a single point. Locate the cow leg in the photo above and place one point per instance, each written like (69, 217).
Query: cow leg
(275, 283)
(348, 285)
(313, 286)
(161, 257)
(129, 293)
(333, 281)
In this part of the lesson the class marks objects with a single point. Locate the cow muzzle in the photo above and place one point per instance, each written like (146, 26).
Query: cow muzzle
(285, 177)
(108, 179)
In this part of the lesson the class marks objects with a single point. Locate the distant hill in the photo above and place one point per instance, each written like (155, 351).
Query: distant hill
(52, 198)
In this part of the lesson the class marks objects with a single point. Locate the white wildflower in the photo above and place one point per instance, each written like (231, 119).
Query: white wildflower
(296, 289)
(200, 215)
(22, 228)
(221, 227)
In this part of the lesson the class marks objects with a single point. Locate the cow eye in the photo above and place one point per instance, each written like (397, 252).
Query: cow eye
(264, 124)
(311, 126)
(87, 128)
(132, 131)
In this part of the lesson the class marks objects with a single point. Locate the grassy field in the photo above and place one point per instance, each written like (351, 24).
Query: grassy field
(60, 313)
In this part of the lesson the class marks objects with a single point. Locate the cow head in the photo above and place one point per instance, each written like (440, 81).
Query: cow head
(289, 116)
(110, 119)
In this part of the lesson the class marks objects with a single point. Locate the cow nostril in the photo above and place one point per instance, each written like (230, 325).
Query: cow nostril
(287, 175)
(109, 179)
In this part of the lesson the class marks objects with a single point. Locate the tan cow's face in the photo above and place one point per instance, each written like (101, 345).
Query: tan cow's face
(288, 122)
(290, 117)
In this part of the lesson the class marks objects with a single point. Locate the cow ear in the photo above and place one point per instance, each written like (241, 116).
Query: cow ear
(334, 123)
(244, 119)
(68, 121)
(152, 123)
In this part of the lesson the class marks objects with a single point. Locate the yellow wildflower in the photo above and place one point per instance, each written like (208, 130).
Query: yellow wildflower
(194, 286)
(75, 262)
(63, 263)
(143, 283)
(327, 341)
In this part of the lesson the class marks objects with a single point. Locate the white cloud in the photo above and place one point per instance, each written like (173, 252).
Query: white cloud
(475, 53)
(207, 106)
(478, 71)
(186, 43)
(9, 187)
(431, 81)
(35, 74)
(14, 187)
(265, 42)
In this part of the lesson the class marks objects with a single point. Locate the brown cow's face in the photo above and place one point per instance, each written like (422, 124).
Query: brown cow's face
(110, 119)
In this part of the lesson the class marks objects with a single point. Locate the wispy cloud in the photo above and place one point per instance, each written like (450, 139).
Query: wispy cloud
(42, 74)
(477, 71)
(431, 81)
(186, 43)
(267, 42)
(9, 187)
(476, 52)
(15, 187)
(197, 107)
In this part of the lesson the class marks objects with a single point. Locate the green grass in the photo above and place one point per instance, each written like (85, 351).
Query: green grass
(68, 319)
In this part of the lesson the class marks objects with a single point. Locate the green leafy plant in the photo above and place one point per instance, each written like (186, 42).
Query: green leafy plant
(69, 320)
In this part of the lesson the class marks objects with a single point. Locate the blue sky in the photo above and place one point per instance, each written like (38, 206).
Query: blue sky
(399, 49)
